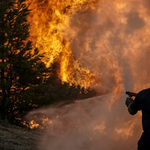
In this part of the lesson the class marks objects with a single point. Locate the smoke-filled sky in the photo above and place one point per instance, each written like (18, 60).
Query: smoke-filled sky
(113, 41)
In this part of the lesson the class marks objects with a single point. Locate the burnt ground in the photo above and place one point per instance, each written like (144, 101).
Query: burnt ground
(16, 138)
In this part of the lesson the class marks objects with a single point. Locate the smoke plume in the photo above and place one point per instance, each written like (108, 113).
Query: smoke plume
(112, 41)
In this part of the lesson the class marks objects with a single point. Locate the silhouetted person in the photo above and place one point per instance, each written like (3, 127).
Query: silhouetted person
(141, 102)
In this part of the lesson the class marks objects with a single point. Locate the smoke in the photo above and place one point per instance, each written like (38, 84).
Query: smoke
(112, 41)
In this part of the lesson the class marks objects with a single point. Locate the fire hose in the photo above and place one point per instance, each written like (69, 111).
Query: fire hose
(131, 94)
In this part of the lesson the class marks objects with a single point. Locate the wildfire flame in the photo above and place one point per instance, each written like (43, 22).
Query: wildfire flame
(48, 19)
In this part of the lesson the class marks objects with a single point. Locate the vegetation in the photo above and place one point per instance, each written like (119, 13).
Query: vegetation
(25, 82)
(19, 68)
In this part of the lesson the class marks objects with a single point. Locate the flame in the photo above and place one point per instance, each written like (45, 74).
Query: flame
(47, 20)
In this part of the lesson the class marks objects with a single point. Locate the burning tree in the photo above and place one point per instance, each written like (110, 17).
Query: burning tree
(20, 68)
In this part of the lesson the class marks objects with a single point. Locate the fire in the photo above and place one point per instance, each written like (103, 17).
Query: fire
(48, 19)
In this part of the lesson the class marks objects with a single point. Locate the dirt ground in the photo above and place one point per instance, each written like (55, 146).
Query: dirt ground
(17, 138)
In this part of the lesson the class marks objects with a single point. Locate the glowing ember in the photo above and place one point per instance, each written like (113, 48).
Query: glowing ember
(40, 123)
(33, 124)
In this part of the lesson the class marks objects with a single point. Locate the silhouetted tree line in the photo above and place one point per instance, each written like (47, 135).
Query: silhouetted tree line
(25, 82)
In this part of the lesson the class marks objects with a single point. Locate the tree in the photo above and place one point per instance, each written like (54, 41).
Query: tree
(20, 69)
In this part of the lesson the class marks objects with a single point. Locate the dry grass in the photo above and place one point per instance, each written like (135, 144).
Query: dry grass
(17, 138)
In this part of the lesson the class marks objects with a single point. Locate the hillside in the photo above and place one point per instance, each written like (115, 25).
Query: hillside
(17, 138)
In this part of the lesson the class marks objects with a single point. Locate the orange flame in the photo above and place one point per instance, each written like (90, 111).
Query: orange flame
(48, 19)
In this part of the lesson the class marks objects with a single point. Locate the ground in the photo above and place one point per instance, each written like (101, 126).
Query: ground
(17, 138)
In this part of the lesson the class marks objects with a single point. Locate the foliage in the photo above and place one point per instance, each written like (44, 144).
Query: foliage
(19, 68)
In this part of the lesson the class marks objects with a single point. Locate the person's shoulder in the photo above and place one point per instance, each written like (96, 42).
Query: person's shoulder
(145, 91)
